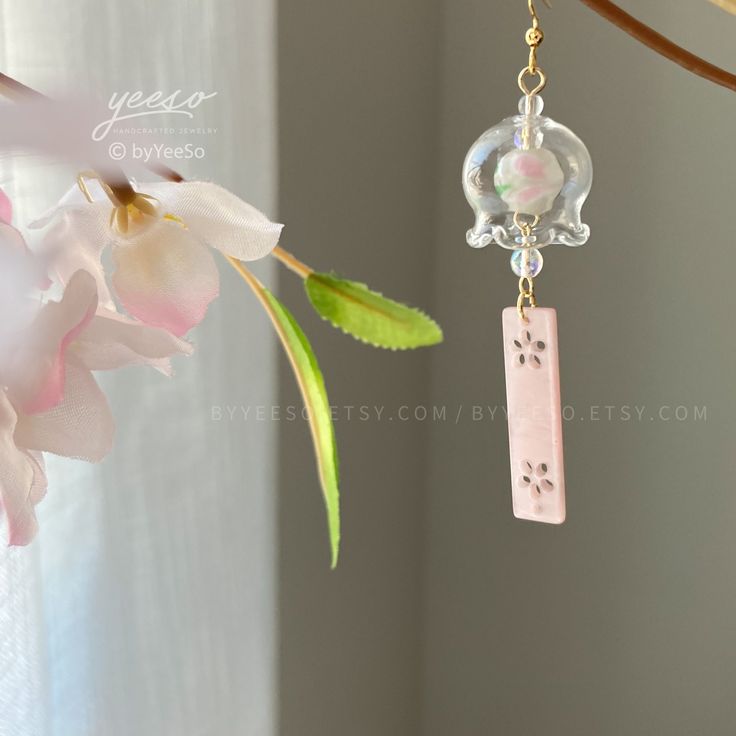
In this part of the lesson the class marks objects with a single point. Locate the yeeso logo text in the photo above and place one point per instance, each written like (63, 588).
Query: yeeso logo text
(127, 106)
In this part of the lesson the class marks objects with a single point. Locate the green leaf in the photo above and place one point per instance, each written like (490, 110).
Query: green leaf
(312, 386)
(369, 316)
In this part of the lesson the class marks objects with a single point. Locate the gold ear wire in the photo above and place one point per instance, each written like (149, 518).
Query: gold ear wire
(533, 37)
(533, 11)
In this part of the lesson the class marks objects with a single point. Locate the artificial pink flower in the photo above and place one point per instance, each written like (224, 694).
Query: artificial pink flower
(6, 208)
(51, 401)
(164, 274)
(21, 273)
(22, 478)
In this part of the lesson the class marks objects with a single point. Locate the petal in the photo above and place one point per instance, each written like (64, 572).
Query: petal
(75, 241)
(165, 278)
(40, 482)
(16, 480)
(71, 200)
(111, 340)
(81, 426)
(6, 208)
(22, 270)
(21, 275)
(12, 240)
(218, 218)
(37, 372)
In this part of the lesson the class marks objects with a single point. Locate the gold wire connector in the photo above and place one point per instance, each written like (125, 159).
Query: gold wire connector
(525, 227)
(526, 291)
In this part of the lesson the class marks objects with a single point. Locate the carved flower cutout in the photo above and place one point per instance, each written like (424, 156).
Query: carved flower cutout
(536, 479)
(528, 350)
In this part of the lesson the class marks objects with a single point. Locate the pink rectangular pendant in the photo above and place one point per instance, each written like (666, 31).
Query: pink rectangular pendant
(534, 414)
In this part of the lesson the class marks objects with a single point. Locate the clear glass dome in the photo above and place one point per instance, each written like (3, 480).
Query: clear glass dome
(534, 170)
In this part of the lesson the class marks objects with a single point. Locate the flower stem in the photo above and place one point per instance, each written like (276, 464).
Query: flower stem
(246, 275)
(291, 262)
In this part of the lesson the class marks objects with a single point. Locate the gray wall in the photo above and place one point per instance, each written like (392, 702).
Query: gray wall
(447, 615)
(620, 621)
(357, 110)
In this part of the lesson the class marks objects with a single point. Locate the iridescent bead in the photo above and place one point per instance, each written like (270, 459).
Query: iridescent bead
(526, 262)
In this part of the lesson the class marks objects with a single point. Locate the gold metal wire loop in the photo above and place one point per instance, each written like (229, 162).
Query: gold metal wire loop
(525, 227)
(526, 291)
(528, 71)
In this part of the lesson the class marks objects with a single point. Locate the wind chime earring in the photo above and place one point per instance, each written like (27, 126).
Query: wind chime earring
(527, 179)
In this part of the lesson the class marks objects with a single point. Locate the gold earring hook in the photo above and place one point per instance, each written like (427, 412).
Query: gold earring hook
(533, 37)
(533, 11)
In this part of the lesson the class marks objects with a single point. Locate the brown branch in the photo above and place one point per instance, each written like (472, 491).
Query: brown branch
(14, 90)
(661, 44)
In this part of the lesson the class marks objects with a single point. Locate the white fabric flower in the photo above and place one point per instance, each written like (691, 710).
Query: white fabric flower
(164, 272)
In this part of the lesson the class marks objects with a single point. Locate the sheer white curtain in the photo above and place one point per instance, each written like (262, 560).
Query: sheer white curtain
(146, 606)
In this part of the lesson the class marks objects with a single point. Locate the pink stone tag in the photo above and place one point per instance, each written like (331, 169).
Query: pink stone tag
(534, 414)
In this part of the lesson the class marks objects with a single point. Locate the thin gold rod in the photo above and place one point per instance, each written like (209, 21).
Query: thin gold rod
(533, 11)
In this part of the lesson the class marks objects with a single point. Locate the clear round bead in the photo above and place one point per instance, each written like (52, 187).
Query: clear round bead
(526, 262)
(531, 105)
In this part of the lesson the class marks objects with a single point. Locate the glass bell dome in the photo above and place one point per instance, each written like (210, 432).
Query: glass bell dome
(526, 180)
